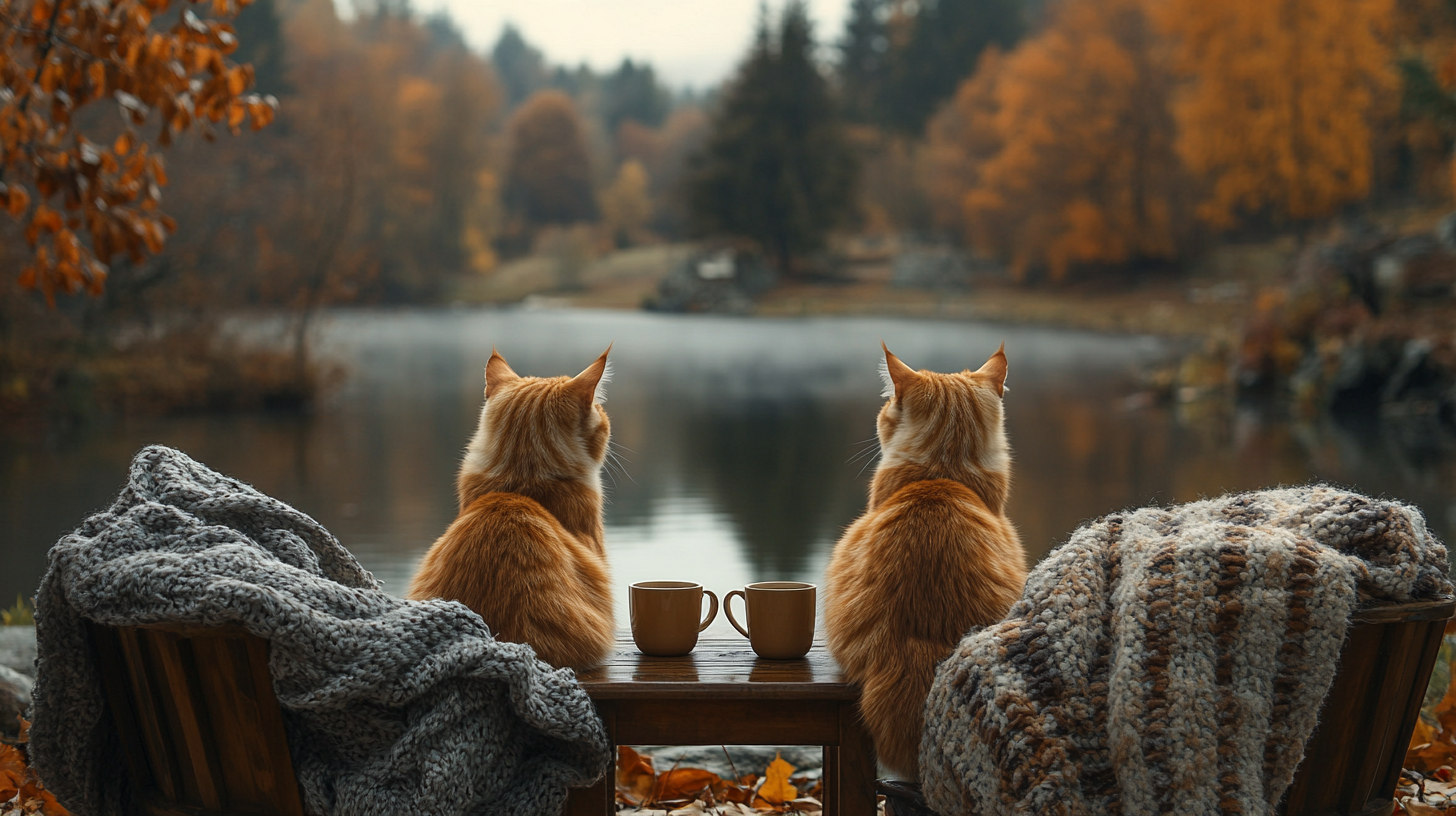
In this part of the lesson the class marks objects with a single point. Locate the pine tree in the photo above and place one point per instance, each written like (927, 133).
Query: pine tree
(777, 169)
(632, 92)
(864, 59)
(521, 68)
(945, 42)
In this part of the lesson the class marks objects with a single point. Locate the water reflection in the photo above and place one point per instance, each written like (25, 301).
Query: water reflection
(737, 435)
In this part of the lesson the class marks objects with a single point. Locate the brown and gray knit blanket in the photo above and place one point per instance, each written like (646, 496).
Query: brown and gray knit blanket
(1169, 660)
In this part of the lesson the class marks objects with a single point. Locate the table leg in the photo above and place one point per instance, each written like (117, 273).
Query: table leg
(855, 768)
(599, 799)
(829, 793)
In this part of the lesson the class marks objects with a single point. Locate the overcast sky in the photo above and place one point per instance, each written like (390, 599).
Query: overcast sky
(690, 42)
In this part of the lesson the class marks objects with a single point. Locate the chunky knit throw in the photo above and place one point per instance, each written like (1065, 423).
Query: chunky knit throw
(1169, 660)
(391, 706)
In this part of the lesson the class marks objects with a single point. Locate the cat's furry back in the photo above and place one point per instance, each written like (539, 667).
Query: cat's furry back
(526, 551)
(933, 555)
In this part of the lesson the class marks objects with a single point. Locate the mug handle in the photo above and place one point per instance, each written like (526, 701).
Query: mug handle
(728, 608)
(712, 611)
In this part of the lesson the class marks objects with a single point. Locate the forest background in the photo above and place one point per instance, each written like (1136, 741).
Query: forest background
(1098, 143)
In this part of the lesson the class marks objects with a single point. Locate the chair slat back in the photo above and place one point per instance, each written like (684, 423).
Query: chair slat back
(200, 725)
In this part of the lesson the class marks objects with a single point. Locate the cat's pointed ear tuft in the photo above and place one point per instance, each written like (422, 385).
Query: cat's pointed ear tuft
(497, 373)
(897, 375)
(995, 369)
(591, 383)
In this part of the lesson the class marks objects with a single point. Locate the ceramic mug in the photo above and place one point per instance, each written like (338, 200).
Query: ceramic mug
(665, 616)
(780, 621)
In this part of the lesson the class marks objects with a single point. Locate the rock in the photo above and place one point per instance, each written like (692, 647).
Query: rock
(808, 760)
(17, 649)
(14, 700)
(721, 281)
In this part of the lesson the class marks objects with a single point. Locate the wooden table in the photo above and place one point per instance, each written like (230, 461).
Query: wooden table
(724, 694)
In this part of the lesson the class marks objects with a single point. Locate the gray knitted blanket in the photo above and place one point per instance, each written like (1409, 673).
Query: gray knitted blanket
(391, 706)
(1169, 660)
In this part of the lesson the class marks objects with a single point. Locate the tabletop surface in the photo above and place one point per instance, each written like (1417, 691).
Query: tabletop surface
(722, 668)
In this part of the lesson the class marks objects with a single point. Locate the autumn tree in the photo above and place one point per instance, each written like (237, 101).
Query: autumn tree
(1062, 152)
(548, 171)
(776, 169)
(1277, 115)
(84, 197)
(625, 205)
(664, 153)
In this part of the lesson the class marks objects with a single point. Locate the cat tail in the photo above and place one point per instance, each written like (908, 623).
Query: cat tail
(892, 700)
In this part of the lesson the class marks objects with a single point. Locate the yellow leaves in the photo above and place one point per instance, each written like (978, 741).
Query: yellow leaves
(238, 79)
(262, 111)
(123, 143)
(776, 790)
(1285, 128)
(1061, 152)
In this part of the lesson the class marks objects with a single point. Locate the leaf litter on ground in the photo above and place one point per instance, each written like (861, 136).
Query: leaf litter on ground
(1426, 786)
(21, 793)
(642, 791)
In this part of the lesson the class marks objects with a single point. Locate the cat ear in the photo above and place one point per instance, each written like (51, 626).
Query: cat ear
(995, 369)
(896, 374)
(591, 384)
(497, 373)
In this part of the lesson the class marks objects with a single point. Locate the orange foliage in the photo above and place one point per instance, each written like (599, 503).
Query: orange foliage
(20, 790)
(97, 198)
(1277, 114)
(1064, 146)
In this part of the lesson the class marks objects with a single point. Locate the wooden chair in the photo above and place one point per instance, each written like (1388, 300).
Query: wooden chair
(1353, 759)
(200, 727)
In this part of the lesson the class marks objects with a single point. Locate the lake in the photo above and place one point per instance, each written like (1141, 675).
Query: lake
(739, 438)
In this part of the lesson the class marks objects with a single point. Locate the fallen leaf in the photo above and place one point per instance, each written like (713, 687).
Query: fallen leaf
(776, 790)
(684, 782)
(635, 777)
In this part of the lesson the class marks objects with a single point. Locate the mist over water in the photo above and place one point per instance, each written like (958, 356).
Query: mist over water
(738, 438)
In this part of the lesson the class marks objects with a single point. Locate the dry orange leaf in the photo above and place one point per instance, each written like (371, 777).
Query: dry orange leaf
(635, 776)
(684, 783)
(776, 790)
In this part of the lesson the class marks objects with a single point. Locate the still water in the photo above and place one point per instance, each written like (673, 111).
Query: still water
(738, 435)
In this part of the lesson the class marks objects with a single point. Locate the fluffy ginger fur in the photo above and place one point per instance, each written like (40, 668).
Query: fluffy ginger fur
(526, 550)
(932, 556)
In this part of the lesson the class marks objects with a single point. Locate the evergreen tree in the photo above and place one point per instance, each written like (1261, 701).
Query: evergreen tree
(632, 92)
(521, 68)
(946, 40)
(777, 169)
(864, 59)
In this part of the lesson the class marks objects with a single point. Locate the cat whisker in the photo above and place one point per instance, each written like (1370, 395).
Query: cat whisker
(867, 464)
(872, 449)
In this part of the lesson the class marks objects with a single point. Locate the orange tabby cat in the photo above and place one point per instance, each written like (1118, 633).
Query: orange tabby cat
(933, 555)
(526, 550)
